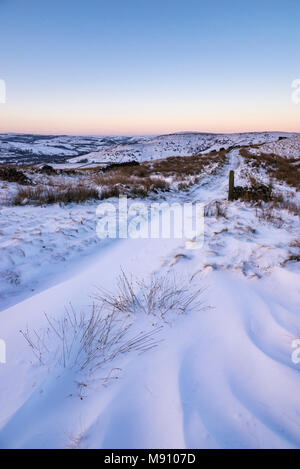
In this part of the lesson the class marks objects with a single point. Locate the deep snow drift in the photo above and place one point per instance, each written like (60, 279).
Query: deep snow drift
(220, 376)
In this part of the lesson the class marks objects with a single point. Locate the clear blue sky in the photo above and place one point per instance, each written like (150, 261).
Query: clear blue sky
(132, 67)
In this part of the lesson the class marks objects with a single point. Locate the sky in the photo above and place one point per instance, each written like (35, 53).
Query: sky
(136, 67)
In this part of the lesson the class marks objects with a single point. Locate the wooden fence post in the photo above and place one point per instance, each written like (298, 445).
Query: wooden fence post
(231, 185)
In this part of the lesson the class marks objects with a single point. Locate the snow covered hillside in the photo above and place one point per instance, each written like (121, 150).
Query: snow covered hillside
(286, 147)
(180, 144)
(30, 149)
(211, 368)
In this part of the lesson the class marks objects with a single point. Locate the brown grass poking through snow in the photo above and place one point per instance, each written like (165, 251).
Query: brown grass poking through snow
(51, 195)
(187, 165)
(282, 169)
(278, 167)
(11, 174)
(269, 215)
(135, 181)
(151, 177)
(116, 183)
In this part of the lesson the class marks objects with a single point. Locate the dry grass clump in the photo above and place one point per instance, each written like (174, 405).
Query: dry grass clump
(108, 192)
(160, 296)
(270, 212)
(11, 174)
(51, 195)
(184, 186)
(187, 165)
(269, 215)
(119, 165)
(216, 209)
(282, 169)
(86, 342)
(280, 202)
(116, 183)
(294, 252)
(296, 244)
(255, 193)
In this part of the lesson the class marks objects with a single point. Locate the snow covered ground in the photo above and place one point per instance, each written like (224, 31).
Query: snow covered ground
(72, 151)
(36, 242)
(288, 148)
(221, 376)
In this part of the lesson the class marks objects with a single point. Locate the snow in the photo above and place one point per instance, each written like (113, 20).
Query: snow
(38, 241)
(30, 149)
(288, 148)
(220, 377)
(74, 150)
(180, 144)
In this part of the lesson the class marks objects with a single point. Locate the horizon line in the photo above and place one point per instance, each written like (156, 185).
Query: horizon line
(55, 134)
